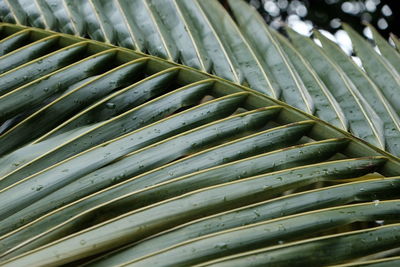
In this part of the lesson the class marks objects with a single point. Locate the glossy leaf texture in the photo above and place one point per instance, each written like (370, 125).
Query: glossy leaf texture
(378, 67)
(112, 157)
(369, 90)
(240, 47)
(363, 121)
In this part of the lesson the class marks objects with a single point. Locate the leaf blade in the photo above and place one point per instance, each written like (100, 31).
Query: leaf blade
(259, 34)
(379, 71)
(343, 90)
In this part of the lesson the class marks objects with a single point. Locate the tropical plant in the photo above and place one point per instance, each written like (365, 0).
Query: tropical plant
(114, 157)
(201, 34)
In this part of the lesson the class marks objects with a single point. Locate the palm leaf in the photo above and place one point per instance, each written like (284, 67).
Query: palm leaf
(223, 62)
(326, 106)
(253, 69)
(396, 41)
(369, 90)
(380, 71)
(251, 214)
(387, 51)
(391, 261)
(263, 42)
(188, 42)
(289, 228)
(202, 34)
(111, 156)
(363, 120)
(316, 251)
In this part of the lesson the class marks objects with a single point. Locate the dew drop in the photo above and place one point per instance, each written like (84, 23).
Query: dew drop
(39, 187)
(110, 105)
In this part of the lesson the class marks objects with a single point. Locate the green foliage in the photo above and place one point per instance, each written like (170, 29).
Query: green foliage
(202, 35)
(109, 156)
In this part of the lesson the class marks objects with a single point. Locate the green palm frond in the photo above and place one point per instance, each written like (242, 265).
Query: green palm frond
(115, 157)
(396, 41)
(386, 262)
(244, 50)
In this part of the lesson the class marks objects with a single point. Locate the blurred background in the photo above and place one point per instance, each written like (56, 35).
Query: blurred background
(326, 15)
